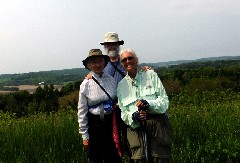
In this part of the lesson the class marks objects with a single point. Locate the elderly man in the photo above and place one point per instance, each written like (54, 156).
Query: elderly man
(112, 47)
(114, 68)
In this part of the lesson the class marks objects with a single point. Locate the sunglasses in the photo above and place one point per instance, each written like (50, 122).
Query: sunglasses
(127, 58)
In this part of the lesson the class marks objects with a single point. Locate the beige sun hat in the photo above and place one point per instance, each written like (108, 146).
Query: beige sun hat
(95, 53)
(111, 37)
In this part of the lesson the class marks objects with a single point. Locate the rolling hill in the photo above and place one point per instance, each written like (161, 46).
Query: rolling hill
(60, 77)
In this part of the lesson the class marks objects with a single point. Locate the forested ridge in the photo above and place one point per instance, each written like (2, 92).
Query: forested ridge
(201, 76)
(60, 77)
(188, 78)
(54, 77)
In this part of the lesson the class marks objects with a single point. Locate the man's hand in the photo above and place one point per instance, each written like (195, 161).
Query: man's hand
(86, 144)
(89, 76)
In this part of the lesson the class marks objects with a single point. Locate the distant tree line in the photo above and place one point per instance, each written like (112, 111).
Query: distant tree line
(201, 76)
(54, 77)
(46, 99)
(187, 78)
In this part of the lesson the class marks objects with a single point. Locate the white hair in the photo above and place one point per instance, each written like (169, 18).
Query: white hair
(129, 51)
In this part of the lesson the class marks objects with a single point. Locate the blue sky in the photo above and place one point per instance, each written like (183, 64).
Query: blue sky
(42, 35)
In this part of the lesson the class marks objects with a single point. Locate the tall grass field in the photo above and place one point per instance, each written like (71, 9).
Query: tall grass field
(206, 128)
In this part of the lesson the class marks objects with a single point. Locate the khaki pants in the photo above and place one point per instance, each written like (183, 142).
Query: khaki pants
(159, 134)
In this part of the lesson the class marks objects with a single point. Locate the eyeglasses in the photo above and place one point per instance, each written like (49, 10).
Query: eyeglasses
(127, 58)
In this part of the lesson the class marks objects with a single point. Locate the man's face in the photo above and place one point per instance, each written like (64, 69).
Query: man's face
(112, 49)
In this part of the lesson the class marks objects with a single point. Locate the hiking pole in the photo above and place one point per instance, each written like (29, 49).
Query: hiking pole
(145, 140)
(143, 125)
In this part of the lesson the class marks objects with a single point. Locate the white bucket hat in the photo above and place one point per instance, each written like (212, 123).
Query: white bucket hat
(111, 37)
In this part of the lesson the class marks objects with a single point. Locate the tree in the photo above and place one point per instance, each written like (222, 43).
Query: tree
(69, 100)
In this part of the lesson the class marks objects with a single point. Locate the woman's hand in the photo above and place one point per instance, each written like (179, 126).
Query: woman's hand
(86, 144)
(139, 116)
(143, 115)
(141, 104)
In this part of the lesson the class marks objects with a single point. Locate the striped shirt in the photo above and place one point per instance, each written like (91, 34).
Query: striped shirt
(91, 94)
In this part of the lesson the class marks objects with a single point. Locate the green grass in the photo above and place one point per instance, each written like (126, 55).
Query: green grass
(41, 138)
(205, 130)
(206, 133)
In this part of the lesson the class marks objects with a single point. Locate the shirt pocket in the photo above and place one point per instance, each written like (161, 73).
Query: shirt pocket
(129, 104)
(148, 90)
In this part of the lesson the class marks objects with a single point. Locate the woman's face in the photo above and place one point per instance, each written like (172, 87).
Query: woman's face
(129, 61)
(96, 64)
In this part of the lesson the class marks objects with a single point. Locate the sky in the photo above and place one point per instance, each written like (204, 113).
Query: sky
(44, 35)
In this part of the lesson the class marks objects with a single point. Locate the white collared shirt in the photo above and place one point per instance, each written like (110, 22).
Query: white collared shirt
(91, 94)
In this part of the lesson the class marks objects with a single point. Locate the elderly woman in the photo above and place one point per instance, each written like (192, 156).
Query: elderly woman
(95, 110)
(143, 102)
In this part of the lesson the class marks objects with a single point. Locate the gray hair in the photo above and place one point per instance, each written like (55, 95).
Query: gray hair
(129, 51)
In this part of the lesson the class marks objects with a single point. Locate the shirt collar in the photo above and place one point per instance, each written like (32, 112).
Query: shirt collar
(137, 78)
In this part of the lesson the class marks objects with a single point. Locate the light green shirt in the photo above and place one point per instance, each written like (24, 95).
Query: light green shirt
(147, 86)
